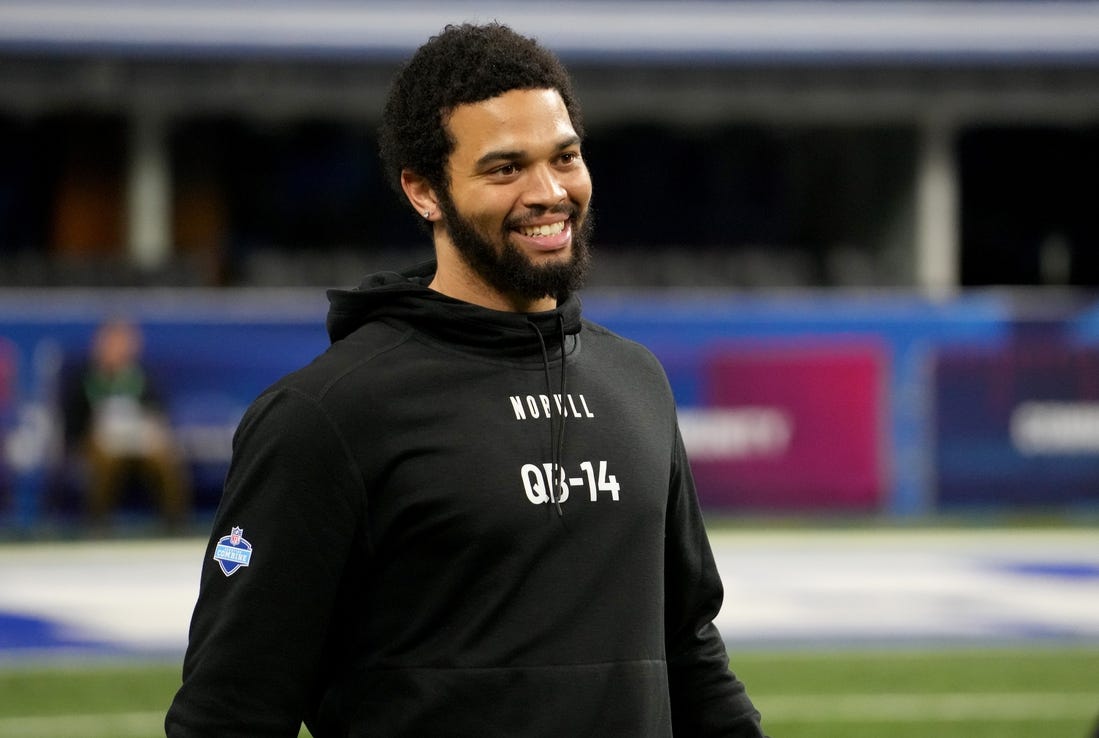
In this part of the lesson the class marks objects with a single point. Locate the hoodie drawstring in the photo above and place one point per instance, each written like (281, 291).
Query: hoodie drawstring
(557, 430)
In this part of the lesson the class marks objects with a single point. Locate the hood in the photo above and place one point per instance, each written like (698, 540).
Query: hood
(406, 297)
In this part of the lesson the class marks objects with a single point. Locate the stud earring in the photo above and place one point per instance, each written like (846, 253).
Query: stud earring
(427, 213)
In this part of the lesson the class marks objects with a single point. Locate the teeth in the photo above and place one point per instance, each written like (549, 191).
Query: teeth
(551, 229)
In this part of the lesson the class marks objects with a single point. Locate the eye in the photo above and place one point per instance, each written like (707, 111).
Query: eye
(569, 157)
(507, 170)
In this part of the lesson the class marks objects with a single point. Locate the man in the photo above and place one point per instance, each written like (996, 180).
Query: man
(115, 424)
(473, 515)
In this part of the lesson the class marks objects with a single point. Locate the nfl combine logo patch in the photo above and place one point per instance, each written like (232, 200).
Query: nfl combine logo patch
(233, 552)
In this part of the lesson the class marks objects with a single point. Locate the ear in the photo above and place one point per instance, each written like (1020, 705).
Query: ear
(420, 194)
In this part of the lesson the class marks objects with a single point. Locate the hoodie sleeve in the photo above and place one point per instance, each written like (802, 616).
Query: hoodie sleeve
(707, 698)
(258, 631)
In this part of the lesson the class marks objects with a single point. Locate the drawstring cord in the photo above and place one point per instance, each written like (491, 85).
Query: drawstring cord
(561, 427)
(557, 430)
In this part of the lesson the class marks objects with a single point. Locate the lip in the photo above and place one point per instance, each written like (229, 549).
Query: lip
(546, 243)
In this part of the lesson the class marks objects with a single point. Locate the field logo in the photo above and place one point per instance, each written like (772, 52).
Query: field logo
(233, 552)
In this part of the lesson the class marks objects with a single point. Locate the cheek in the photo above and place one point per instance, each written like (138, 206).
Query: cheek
(580, 189)
(488, 223)
(482, 202)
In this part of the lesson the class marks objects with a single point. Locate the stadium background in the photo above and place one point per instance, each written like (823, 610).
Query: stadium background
(861, 236)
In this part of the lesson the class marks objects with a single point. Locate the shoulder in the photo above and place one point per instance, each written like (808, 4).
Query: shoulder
(357, 366)
(363, 352)
(617, 347)
(624, 361)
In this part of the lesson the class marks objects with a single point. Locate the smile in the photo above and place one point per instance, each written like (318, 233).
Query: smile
(541, 231)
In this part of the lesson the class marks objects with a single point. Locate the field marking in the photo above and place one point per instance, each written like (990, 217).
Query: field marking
(946, 536)
(954, 586)
(909, 707)
(886, 586)
(114, 724)
(791, 708)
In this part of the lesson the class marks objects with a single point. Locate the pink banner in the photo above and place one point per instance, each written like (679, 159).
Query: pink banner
(791, 427)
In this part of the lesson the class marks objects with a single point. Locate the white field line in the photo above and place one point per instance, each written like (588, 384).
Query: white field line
(837, 708)
(908, 708)
(104, 725)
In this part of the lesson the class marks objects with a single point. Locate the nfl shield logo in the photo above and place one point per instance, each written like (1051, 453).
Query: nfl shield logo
(233, 551)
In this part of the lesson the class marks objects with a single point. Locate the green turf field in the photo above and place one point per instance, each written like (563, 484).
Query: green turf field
(1006, 693)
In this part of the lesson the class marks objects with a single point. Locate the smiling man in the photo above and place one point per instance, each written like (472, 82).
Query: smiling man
(473, 515)
(512, 219)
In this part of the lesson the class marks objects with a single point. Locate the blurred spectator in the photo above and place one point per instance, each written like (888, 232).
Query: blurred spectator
(115, 425)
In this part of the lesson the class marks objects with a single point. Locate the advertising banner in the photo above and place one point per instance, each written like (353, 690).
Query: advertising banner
(1017, 425)
(796, 426)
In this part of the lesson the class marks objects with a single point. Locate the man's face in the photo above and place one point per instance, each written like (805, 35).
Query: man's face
(516, 209)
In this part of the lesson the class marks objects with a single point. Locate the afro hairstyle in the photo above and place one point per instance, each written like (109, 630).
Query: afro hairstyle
(464, 64)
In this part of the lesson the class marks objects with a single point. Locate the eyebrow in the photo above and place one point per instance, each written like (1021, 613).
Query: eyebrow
(518, 155)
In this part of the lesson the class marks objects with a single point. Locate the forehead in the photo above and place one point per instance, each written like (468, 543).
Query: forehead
(518, 120)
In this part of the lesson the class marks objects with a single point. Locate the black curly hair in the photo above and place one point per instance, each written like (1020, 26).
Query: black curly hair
(464, 64)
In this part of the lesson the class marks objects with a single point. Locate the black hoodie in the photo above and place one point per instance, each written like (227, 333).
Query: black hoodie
(402, 565)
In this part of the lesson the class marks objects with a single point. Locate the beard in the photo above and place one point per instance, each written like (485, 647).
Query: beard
(510, 271)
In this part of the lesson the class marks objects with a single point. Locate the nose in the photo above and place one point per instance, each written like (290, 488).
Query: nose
(545, 187)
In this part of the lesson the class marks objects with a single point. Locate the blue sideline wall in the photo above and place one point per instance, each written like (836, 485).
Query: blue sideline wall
(950, 378)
